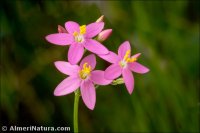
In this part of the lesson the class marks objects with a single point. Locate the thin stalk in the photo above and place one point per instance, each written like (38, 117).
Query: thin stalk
(76, 101)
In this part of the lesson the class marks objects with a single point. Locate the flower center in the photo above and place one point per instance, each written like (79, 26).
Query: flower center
(79, 36)
(85, 71)
(127, 59)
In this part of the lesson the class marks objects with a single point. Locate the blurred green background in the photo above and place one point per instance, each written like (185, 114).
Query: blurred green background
(164, 100)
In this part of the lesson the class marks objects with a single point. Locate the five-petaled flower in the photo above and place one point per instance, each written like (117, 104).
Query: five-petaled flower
(123, 64)
(83, 76)
(79, 37)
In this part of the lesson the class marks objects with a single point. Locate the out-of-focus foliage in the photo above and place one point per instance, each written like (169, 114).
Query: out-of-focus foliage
(164, 100)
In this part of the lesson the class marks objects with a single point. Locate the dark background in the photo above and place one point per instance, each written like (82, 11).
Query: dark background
(164, 100)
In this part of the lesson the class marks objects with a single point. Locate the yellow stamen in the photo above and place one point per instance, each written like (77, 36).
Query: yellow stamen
(127, 58)
(75, 33)
(133, 59)
(82, 29)
(85, 71)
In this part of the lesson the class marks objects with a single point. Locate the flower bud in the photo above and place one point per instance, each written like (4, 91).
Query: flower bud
(118, 81)
(102, 36)
(100, 19)
(61, 29)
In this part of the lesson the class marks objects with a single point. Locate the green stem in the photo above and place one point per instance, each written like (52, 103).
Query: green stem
(76, 101)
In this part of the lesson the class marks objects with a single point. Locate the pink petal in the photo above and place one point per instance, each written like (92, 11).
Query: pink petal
(66, 67)
(88, 94)
(123, 48)
(136, 55)
(72, 27)
(94, 29)
(90, 59)
(67, 86)
(60, 38)
(95, 47)
(128, 80)
(75, 53)
(97, 77)
(110, 57)
(113, 71)
(138, 68)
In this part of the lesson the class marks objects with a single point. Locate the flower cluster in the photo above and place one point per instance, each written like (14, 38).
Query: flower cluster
(84, 76)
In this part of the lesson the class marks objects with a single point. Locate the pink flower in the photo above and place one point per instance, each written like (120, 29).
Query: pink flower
(83, 76)
(79, 37)
(123, 64)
